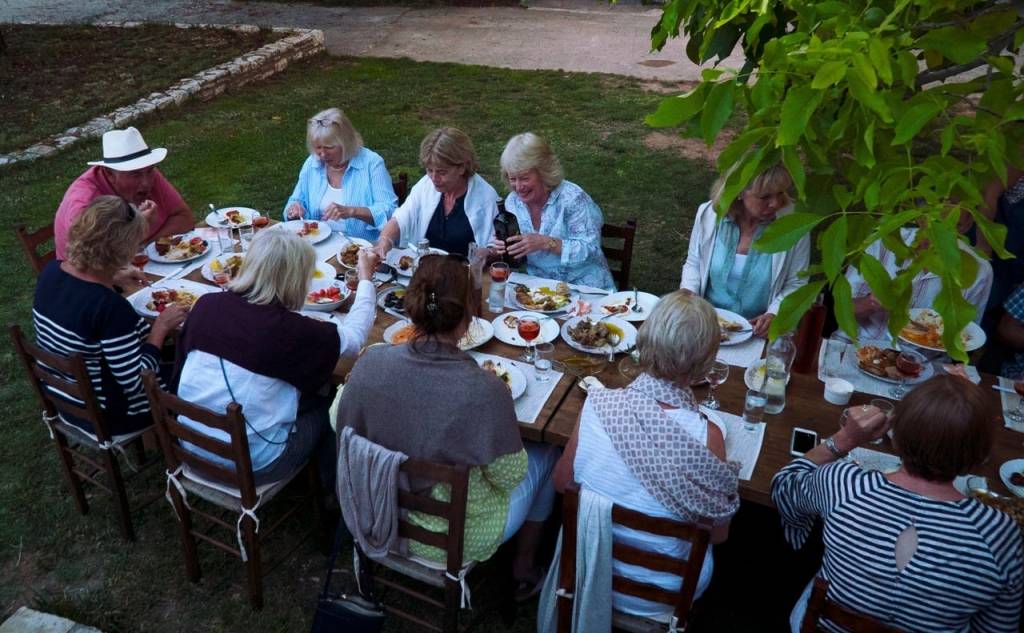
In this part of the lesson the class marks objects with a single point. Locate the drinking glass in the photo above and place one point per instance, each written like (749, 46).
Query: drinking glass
(352, 279)
(140, 259)
(753, 408)
(887, 408)
(1017, 415)
(496, 296)
(909, 364)
(245, 235)
(716, 375)
(224, 241)
(543, 353)
(529, 329)
(259, 221)
(835, 348)
(221, 279)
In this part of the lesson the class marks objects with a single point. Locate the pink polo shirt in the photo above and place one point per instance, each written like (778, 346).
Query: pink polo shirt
(91, 184)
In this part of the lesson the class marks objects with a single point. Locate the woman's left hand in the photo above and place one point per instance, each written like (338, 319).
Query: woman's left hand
(336, 212)
(523, 245)
(762, 323)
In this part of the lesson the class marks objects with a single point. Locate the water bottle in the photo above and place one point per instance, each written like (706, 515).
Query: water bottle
(777, 366)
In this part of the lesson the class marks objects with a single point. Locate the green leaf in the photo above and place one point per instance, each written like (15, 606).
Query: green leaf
(907, 64)
(842, 296)
(955, 44)
(833, 248)
(944, 243)
(793, 308)
(948, 135)
(795, 166)
(992, 24)
(797, 108)
(786, 231)
(878, 52)
(956, 313)
(1018, 39)
(1015, 112)
(994, 233)
(740, 145)
(878, 278)
(717, 110)
(915, 118)
(871, 195)
(674, 111)
(862, 68)
(867, 96)
(828, 74)
(1002, 63)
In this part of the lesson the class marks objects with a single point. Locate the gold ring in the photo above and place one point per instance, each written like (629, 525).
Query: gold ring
(864, 408)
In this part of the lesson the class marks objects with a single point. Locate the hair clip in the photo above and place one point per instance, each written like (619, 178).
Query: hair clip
(432, 303)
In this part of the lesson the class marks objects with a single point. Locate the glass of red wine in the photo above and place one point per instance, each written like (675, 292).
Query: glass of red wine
(529, 329)
(910, 365)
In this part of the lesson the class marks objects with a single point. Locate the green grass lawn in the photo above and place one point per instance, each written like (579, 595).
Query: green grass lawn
(246, 149)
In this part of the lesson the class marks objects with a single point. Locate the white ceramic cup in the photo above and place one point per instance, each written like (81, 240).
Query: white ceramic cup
(838, 391)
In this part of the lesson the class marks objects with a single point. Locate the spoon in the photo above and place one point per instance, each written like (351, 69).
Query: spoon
(636, 301)
(613, 340)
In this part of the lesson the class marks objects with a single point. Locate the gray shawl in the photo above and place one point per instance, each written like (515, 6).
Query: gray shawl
(367, 489)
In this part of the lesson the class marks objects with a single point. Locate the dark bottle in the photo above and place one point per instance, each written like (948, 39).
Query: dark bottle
(505, 226)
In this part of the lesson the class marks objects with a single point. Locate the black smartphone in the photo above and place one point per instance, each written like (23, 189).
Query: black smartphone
(802, 441)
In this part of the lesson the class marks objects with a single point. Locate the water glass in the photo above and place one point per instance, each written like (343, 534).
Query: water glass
(245, 235)
(496, 296)
(543, 353)
(224, 241)
(887, 408)
(753, 408)
(832, 364)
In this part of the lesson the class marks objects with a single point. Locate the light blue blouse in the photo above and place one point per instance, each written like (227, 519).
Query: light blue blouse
(366, 183)
(573, 217)
(748, 292)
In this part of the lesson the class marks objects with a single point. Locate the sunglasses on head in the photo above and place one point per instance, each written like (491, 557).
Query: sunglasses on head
(323, 122)
(129, 210)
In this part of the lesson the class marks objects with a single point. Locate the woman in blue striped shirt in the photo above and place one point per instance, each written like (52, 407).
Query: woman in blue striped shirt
(907, 548)
(341, 181)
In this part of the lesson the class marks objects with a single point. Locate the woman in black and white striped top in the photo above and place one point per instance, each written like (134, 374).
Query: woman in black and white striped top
(77, 310)
(907, 548)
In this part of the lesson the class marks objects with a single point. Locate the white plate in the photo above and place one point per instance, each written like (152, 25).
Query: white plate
(142, 297)
(396, 254)
(162, 259)
(533, 286)
(927, 372)
(516, 378)
(480, 331)
(394, 328)
(646, 300)
(216, 218)
(628, 334)
(974, 336)
(383, 294)
(1007, 469)
(548, 329)
(345, 241)
(334, 305)
(754, 375)
(323, 229)
(323, 276)
(738, 337)
(207, 271)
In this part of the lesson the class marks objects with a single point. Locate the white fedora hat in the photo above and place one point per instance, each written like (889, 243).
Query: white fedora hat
(124, 150)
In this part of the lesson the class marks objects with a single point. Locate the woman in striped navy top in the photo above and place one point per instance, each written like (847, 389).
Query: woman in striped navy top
(907, 548)
(77, 311)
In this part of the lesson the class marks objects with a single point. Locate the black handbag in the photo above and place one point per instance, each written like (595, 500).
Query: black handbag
(344, 613)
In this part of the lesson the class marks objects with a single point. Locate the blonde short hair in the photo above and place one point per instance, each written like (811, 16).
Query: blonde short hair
(775, 178)
(105, 236)
(449, 145)
(527, 151)
(679, 340)
(332, 127)
(277, 269)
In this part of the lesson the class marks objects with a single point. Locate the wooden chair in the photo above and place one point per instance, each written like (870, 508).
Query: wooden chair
(31, 241)
(47, 371)
(624, 255)
(401, 186)
(232, 492)
(446, 578)
(689, 570)
(819, 606)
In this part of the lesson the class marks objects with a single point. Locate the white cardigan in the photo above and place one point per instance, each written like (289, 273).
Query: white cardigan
(481, 206)
(785, 265)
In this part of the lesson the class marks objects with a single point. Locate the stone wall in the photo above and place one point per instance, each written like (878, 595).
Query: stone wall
(205, 85)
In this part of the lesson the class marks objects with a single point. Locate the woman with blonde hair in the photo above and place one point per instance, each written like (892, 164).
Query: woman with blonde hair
(341, 182)
(451, 205)
(249, 345)
(723, 267)
(560, 225)
(77, 310)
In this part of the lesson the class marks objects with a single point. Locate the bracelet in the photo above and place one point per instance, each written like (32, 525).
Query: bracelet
(552, 244)
(830, 444)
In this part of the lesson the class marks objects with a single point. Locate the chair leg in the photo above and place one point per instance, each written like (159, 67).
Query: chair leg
(452, 597)
(124, 513)
(67, 466)
(139, 449)
(319, 510)
(188, 542)
(253, 567)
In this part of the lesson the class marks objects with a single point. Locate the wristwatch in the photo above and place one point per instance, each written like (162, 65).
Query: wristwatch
(830, 444)
(552, 244)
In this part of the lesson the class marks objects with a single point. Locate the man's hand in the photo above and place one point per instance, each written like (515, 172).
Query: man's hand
(147, 210)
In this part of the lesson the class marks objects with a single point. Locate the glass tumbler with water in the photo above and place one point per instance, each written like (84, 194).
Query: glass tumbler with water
(753, 408)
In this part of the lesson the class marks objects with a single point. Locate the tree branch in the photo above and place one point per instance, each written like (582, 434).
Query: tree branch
(967, 17)
(995, 47)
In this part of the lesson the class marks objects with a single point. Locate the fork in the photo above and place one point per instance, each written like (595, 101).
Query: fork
(636, 301)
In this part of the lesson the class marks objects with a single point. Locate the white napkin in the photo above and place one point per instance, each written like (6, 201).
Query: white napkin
(874, 460)
(742, 440)
(743, 354)
(529, 404)
(1010, 402)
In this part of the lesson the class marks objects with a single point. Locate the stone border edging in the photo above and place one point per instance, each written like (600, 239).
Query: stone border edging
(255, 65)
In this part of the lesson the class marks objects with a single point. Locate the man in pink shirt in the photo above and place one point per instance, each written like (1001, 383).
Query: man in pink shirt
(128, 169)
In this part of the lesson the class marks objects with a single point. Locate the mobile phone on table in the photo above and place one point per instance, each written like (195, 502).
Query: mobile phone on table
(802, 441)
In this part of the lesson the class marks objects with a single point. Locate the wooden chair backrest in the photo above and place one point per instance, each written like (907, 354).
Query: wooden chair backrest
(171, 433)
(31, 241)
(624, 255)
(819, 606)
(401, 185)
(47, 371)
(689, 570)
(454, 511)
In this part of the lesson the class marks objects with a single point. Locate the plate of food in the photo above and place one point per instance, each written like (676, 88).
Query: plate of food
(228, 264)
(327, 299)
(506, 328)
(392, 299)
(544, 297)
(890, 365)
(231, 217)
(403, 260)
(311, 230)
(480, 331)
(621, 305)
(151, 300)
(597, 334)
(513, 378)
(175, 249)
(348, 256)
(925, 330)
(323, 276)
(1012, 474)
(734, 328)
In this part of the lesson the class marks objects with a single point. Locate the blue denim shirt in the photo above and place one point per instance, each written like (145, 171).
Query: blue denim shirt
(573, 217)
(366, 183)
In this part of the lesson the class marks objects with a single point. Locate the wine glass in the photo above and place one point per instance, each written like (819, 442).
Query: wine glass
(221, 279)
(716, 375)
(909, 364)
(1017, 415)
(529, 329)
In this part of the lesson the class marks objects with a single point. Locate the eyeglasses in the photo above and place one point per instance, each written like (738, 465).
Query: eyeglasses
(129, 210)
(323, 122)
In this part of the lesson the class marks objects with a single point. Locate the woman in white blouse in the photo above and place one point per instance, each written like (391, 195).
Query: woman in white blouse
(452, 205)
